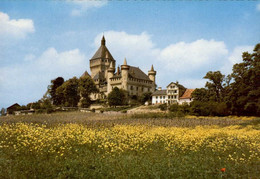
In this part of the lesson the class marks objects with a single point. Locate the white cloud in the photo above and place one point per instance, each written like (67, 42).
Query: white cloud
(137, 49)
(15, 28)
(235, 57)
(192, 56)
(258, 7)
(83, 6)
(28, 82)
(174, 62)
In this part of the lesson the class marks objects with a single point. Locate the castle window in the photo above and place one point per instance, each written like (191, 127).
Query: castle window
(131, 87)
(137, 88)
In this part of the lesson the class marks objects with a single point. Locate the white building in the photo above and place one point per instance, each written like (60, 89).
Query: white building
(175, 93)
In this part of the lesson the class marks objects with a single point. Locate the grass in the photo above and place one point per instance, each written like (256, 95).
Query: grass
(90, 145)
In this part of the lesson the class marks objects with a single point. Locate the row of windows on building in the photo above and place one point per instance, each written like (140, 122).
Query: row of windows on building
(132, 79)
(171, 91)
(169, 97)
(137, 88)
(165, 101)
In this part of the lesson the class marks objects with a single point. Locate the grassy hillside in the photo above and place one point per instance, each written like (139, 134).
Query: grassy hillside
(89, 145)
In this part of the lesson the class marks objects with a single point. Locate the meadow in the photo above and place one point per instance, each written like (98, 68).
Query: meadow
(90, 145)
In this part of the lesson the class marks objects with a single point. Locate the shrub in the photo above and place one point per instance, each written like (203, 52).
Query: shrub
(93, 110)
(163, 107)
(124, 111)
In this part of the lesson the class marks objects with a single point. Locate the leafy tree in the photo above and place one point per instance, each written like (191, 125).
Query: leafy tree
(85, 88)
(56, 99)
(245, 90)
(201, 94)
(216, 85)
(2, 111)
(147, 96)
(116, 97)
(68, 92)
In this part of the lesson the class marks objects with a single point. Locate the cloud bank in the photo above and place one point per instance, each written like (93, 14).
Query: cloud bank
(15, 28)
(177, 61)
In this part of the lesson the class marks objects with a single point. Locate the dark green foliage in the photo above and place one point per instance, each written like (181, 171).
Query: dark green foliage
(3, 112)
(36, 105)
(147, 96)
(117, 97)
(85, 102)
(68, 92)
(163, 107)
(209, 108)
(245, 93)
(86, 86)
(179, 110)
(236, 94)
(56, 99)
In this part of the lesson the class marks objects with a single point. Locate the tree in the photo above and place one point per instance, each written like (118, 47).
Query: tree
(85, 88)
(245, 89)
(56, 99)
(68, 92)
(215, 85)
(2, 111)
(200, 94)
(116, 97)
(147, 96)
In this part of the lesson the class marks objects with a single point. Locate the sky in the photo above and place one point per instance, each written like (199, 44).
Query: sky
(42, 40)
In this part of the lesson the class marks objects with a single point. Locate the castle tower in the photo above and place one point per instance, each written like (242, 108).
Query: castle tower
(101, 61)
(124, 72)
(110, 74)
(151, 75)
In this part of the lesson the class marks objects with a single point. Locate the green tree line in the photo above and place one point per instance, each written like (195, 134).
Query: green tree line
(234, 94)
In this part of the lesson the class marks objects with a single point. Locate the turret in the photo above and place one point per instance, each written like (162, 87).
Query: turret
(151, 75)
(124, 72)
(110, 74)
(103, 41)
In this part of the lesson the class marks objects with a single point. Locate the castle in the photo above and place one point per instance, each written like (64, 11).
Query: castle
(106, 77)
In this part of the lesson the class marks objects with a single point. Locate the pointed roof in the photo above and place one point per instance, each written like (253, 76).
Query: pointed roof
(102, 52)
(85, 74)
(152, 68)
(125, 63)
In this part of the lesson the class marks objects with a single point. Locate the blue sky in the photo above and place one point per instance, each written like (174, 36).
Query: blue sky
(42, 40)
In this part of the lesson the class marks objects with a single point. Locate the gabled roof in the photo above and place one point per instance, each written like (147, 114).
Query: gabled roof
(171, 83)
(159, 92)
(85, 74)
(187, 94)
(137, 73)
(13, 106)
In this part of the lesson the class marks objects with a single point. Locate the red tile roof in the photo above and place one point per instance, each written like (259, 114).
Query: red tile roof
(187, 94)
